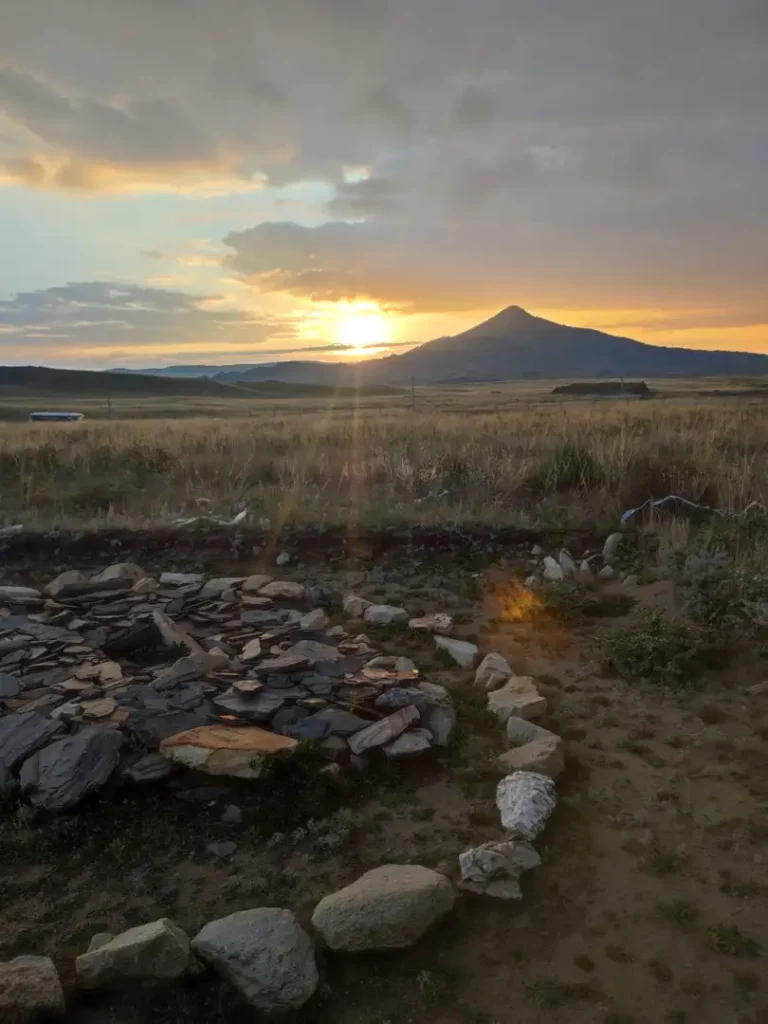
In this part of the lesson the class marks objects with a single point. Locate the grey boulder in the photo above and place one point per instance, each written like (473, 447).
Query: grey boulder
(265, 954)
(59, 776)
(153, 952)
(408, 744)
(29, 990)
(494, 869)
(20, 736)
(384, 614)
(390, 907)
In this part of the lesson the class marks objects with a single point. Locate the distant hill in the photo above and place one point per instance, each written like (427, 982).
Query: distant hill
(42, 381)
(16, 381)
(513, 345)
(186, 370)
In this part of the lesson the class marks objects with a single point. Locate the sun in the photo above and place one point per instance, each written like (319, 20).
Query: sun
(362, 328)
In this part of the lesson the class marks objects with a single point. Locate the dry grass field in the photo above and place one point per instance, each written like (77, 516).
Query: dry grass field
(505, 455)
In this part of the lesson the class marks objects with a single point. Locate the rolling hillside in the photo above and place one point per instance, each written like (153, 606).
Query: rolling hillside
(42, 381)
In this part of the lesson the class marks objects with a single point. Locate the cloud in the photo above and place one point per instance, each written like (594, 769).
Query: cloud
(95, 318)
(368, 197)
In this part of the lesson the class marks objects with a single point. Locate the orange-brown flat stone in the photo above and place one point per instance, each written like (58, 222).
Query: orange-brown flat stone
(240, 752)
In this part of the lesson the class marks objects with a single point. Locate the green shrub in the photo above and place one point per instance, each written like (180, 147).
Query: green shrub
(662, 650)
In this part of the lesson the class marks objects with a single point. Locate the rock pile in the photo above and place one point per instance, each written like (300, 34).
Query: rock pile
(526, 797)
(595, 565)
(220, 675)
(264, 953)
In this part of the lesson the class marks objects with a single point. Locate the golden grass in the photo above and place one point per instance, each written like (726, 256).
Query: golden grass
(563, 464)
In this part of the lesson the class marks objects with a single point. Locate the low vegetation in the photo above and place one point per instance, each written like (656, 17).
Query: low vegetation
(463, 456)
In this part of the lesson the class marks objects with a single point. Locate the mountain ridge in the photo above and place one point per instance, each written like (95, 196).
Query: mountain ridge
(511, 345)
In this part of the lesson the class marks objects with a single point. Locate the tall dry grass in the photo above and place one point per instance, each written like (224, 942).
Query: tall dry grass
(568, 464)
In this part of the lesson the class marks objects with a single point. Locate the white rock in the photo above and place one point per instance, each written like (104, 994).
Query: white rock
(158, 951)
(147, 585)
(531, 582)
(172, 634)
(611, 546)
(543, 755)
(283, 558)
(553, 571)
(520, 731)
(29, 990)
(518, 697)
(283, 589)
(493, 671)
(494, 869)
(567, 564)
(440, 622)
(255, 583)
(181, 579)
(585, 567)
(265, 954)
(65, 579)
(525, 801)
(355, 606)
(390, 907)
(629, 581)
(462, 652)
(537, 550)
(384, 615)
(409, 744)
(606, 573)
(251, 651)
(216, 587)
(316, 619)
(121, 571)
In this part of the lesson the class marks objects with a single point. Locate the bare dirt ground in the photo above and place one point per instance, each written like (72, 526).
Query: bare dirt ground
(651, 904)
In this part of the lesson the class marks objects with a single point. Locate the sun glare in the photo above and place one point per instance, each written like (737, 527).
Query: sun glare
(362, 328)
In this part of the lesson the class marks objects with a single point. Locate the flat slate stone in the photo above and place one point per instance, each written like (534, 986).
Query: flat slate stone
(341, 722)
(152, 728)
(308, 729)
(384, 731)
(150, 768)
(280, 664)
(59, 776)
(20, 595)
(313, 651)
(9, 685)
(288, 716)
(187, 697)
(259, 708)
(20, 736)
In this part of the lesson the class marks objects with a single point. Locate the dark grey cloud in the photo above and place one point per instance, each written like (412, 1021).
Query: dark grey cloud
(108, 315)
(370, 197)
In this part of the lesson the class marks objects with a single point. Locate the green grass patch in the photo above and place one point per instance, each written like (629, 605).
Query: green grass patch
(657, 649)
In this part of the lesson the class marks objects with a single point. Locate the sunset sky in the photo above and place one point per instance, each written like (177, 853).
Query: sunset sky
(250, 180)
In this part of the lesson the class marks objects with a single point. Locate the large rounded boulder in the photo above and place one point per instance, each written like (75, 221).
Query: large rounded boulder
(265, 954)
(390, 907)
